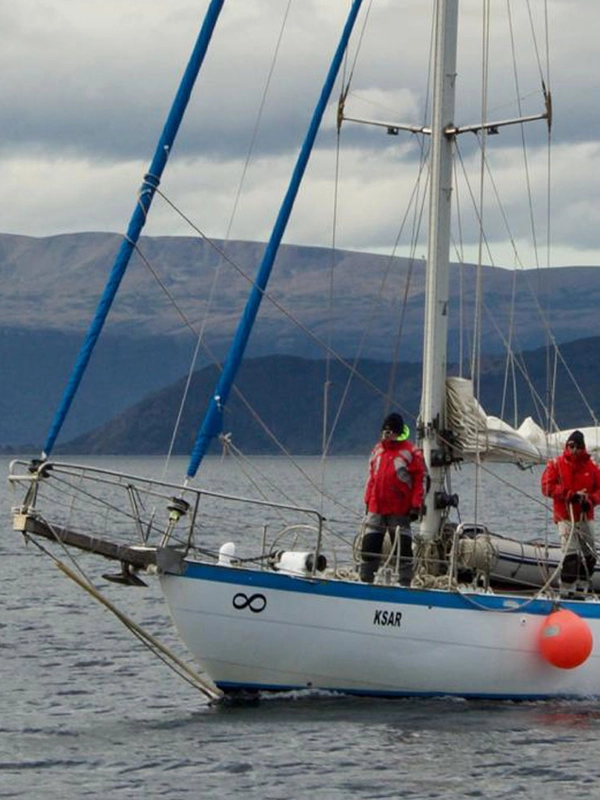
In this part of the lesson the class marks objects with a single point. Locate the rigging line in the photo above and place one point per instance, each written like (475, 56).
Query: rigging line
(281, 447)
(388, 397)
(528, 185)
(553, 380)
(327, 383)
(542, 314)
(556, 349)
(254, 414)
(424, 150)
(199, 343)
(137, 220)
(515, 487)
(459, 249)
(541, 411)
(549, 205)
(66, 551)
(548, 243)
(266, 480)
(213, 418)
(549, 153)
(412, 203)
(370, 321)
(521, 365)
(73, 489)
(501, 210)
(534, 38)
(491, 179)
(398, 337)
(259, 117)
(518, 359)
(157, 648)
(236, 202)
(482, 242)
(534, 295)
(575, 382)
(476, 209)
(548, 228)
(375, 304)
(336, 182)
(186, 390)
(258, 485)
(507, 368)
(344, 93)
(417, 220)
(276, 304)
(523, 142)
(346, 87)
(511, 376)
(477, 336)
(550, 388)
(361, 35)
(70, 488)
(476, 362)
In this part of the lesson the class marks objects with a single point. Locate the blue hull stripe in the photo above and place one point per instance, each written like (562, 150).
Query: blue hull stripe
(360, 591)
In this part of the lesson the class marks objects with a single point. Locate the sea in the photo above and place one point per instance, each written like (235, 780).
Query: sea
(87, 712)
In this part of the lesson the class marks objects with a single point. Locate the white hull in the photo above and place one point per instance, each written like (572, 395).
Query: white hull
(267, 631)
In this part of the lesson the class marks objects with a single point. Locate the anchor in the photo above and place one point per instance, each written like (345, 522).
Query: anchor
(126, 577)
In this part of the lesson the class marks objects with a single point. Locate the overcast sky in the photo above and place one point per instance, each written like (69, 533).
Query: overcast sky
(86, 86)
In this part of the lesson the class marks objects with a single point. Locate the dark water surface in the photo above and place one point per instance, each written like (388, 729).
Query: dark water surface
(87, 712)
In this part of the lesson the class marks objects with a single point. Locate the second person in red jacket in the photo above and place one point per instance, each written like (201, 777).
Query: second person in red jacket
(573, 482)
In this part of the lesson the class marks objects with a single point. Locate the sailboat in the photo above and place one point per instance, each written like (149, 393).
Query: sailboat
(278, 606)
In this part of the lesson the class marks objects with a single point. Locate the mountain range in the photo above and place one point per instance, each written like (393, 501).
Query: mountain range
(280, 404)
(360, 305)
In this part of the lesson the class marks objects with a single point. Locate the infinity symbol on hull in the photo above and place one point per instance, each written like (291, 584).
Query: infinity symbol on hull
(256, 602)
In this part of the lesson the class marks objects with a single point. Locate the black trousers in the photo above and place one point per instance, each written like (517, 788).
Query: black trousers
(376, 526)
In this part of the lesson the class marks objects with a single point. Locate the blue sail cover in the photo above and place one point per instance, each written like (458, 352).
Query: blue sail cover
(213, 421)
(138, 219)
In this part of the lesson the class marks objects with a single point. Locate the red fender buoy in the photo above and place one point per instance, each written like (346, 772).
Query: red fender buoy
(565, 640)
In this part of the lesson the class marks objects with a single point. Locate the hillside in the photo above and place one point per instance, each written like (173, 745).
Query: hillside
(51, 286)
(287, 391)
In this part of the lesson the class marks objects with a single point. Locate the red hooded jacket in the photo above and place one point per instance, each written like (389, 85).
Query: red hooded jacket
(396, 478)
(570, 473)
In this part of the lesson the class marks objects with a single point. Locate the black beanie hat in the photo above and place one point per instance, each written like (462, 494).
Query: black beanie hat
(577, 438)
(394, 422)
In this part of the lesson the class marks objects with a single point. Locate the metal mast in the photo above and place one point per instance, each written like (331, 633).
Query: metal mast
(432, 418)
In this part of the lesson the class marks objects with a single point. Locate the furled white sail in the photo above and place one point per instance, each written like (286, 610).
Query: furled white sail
(483, 436)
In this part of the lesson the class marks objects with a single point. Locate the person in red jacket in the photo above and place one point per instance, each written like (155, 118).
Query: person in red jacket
(573, 482)
(393, 497)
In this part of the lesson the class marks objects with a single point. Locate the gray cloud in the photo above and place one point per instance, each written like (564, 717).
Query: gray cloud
(87, 86)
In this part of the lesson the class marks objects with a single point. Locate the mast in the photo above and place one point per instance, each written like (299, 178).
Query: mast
(432, 418)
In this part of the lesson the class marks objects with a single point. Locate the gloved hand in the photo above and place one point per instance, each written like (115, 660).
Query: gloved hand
(582, 499)
(414, 514)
